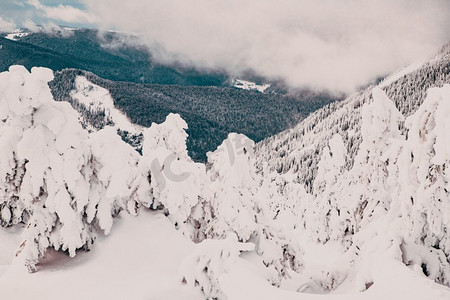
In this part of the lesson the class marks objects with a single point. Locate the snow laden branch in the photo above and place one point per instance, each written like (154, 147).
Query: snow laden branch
(64, 183)
(211, 259)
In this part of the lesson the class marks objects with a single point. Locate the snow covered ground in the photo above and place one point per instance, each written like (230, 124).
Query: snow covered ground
(141, 259)
(248, 85)
(15, 36)
(96, 98)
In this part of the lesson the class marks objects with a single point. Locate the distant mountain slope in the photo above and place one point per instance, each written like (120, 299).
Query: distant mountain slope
(299, 149)
(28, 55)
(147, 91)
(409, 91)
(105, 56)
(211, 112)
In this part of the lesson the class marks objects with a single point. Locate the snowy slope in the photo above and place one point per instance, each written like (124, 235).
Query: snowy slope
(248, 85)
(298, 149)
(399, 74)
(140, 261)
(95, 99)
(16, 35)
(142, 258)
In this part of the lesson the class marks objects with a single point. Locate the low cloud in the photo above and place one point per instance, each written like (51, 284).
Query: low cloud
(65, 13)
(322, 44)
(6, 26)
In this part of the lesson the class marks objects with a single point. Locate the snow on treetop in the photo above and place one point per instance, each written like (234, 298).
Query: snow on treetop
(171, 134)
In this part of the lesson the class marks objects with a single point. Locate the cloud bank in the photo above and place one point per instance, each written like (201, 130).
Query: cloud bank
(6, 25)
(65, 13)
(323, 44)
(16, 14)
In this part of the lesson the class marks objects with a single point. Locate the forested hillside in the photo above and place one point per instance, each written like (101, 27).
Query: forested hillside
(211, 112)
(299, 149)
(104, 54)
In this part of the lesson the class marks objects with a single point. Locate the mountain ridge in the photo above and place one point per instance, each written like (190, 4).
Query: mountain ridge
(408, 92)
(211, 112)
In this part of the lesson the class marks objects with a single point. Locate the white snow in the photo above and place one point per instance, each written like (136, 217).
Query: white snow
(15, 36)
(10, 238)
(400, 73)
(141, 260)
(395, 281)
(145, 258)
(96, 98)
(248, 85)
(69, 28)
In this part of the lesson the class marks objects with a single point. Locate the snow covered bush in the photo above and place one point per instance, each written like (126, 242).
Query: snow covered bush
(211, 259)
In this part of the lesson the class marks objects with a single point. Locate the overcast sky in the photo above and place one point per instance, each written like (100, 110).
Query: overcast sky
(337, 45)
(26, 13)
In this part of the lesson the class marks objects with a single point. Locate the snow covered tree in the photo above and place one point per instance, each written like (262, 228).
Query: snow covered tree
(177, 183)
(116, 182)
(367, 192)
(56, 178)
(424, 186)
(232, 175)
(49, 152)
(324, 209)
(211, 259)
